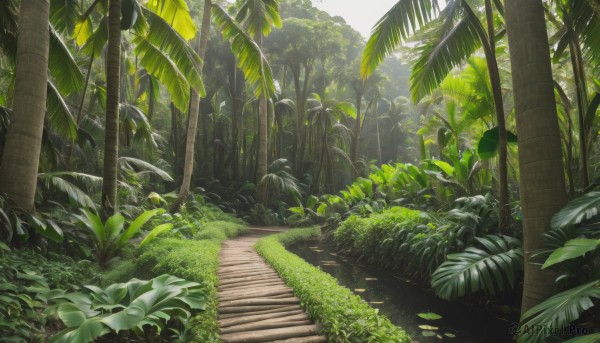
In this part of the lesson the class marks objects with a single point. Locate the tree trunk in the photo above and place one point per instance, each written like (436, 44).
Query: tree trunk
(263, 134)
(489, 47)
(504, 215)
(111, 130)
(20, 161)
(542, 179)
(356, 136)
(188, 167)
(376, 116)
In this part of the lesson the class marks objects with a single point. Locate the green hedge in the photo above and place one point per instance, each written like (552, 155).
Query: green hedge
(345, 316)
(221, 230)
(194, 260)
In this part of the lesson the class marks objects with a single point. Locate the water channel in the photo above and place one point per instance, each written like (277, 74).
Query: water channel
(402, 302)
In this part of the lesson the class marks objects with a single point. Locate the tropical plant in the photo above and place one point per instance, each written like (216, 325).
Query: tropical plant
(488, 269)
(110, 237)
(572, 247)
(135, 305)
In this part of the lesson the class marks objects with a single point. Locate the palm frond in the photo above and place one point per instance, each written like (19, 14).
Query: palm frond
(127, 162)
(167, 56)
(561, 309)
(164, 69)
(75, 194)
(93, 41)
(400, 22)
(577, 210)
(593, 338)
(62, 65)
(451, 42)
(177, 14)
(250, 58)
(59, 116)
(475, 269)
(259, 16)
(64, 15)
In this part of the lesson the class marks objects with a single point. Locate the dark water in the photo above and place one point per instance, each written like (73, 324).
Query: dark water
(402, 302)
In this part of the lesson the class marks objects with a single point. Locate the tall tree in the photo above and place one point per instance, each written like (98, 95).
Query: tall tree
(259, 16)
(111, 130)
(542, 181)
(194, 109)
(20, 161)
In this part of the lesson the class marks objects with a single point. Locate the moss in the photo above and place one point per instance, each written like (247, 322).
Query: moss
(345, 316)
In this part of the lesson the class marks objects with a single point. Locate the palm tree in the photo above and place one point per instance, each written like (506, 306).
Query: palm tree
(194, 109)
(20, 160)
(259, 16)
(111, 131)
(542, 179)
(452, 35)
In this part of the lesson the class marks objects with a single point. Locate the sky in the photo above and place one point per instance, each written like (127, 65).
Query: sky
(360, 14)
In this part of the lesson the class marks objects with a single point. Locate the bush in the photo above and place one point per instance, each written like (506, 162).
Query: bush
(345, 316)
(220, 230)
(411, 241)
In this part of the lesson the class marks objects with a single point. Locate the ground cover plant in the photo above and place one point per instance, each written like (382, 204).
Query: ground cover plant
(345, 316)
(195, 260)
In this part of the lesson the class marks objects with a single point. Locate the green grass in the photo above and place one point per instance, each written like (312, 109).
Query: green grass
(194, 260)
(345, 316)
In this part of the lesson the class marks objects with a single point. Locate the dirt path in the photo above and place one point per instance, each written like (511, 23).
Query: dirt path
(255, 305)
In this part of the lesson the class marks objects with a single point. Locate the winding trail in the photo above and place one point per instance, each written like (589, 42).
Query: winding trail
(255, 305)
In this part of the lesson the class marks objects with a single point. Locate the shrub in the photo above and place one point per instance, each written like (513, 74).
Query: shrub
(220, 230)
(345, 316)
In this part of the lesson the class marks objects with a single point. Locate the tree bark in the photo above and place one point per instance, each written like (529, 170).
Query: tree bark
(542, 179)
(111, 130)
(21, 157)
(188, 167)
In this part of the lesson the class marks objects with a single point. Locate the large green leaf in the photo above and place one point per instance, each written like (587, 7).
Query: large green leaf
(400, 22)
(126, 319)
(577, 210)
(71, 315)
(450, 41)
(128, 162)
(62, 66)
(488, 144)
(488, 269)
(593, 338)
(561, 309)
(60, 118)
(259, 16)
(155, 232)
(177, 14)
(136, 225)
(75, 194)
(93, 222)
(572, 249)
(89, 330)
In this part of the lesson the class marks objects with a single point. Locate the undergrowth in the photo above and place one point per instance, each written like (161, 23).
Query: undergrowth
(345, 316)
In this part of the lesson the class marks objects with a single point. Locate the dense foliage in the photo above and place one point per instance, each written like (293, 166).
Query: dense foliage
(345, 316)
